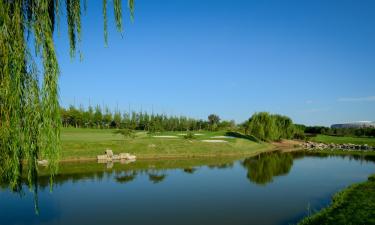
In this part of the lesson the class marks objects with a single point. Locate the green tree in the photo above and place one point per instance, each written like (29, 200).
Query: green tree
(117, 119)
(107, 117)
(270, 127)
(213, 120)
(98, 117)
(30, 118)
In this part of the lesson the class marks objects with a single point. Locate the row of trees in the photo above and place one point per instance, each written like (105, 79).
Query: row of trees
(356, 132)
(98, 118)
(271, 127)
(264, 126)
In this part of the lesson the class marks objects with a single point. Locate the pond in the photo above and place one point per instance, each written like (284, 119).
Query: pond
(272, 188)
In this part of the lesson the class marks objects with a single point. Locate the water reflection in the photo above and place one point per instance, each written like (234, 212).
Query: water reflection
(190, 170)
(126, 178)
(156, 178)
(261, 170)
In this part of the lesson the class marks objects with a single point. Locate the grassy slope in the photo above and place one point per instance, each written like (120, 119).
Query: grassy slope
(354, 205)
(88, 143)
(343, 140)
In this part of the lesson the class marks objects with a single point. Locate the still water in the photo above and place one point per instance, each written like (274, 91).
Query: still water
(272, 188)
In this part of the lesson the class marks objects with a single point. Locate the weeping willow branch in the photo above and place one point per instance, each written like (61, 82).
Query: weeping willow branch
(29, 109)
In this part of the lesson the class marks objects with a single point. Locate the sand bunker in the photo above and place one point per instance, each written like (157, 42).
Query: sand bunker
(198, 134)
(165, 136)
(222, 137)
(215, 141)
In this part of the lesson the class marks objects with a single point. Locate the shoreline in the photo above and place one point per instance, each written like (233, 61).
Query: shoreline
(284, 146)
(347, 205)
(176, 156)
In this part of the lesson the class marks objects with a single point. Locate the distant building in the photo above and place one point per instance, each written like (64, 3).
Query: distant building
(358, 124)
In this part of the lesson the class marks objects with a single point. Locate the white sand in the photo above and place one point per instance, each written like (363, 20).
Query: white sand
(186, 134)
(214, 141)
(166, 136)
(222, 137)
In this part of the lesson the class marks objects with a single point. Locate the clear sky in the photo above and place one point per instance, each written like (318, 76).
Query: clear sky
(313, 60)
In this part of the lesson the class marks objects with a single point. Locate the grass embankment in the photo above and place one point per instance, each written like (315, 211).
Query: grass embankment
(342, 152)
(344, 140)
(83, 144)
(354, 205)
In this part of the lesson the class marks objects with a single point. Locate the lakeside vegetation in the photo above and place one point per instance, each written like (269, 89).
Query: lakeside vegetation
(354, 205)
(343, 140)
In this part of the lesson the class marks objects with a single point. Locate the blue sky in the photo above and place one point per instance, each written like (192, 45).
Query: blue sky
(312, 60)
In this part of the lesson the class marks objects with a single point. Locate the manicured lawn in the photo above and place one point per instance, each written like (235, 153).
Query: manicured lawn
(80, 143)
(343, 140)
(354, 205)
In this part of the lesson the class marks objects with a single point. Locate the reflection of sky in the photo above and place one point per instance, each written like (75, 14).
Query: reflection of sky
(209, 196)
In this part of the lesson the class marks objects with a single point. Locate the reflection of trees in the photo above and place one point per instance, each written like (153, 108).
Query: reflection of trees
(261, 169)
(190, 170)
(31, 179)
(221, 166)
(156, 178)
(126, 178)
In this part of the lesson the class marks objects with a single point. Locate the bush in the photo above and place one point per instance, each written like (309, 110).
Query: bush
(189, 135)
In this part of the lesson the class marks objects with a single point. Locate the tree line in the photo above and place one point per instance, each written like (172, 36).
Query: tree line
(264, 126)
(354, 132)
(106, 119)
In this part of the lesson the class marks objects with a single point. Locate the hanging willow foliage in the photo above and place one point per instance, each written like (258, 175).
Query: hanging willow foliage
(29, 110)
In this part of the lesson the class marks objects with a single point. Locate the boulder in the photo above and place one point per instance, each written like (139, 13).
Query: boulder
(124, 155)
(127, 156)
(132, 157)
(109, 153)
(116, 157)
(102, 157)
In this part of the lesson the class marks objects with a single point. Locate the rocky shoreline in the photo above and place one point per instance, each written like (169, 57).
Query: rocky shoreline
(309, 145)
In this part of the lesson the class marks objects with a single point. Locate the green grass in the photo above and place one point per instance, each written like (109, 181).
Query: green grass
(88, 143)
(343, 140)
(341, 152)
(354, 205)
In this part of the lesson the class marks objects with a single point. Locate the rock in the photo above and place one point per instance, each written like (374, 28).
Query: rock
(110, 157)
(102, 157)
(109, 153)
(43, 162)
(127, 156)
(132, 157)
(116, 157)
(124, 155)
